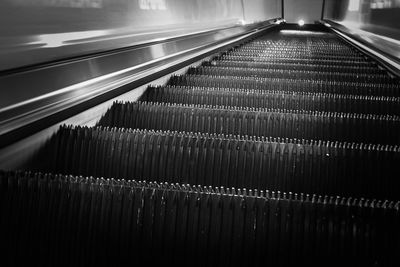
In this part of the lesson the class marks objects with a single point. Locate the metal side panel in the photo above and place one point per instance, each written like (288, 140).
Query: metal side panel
(19, 154)
(383, 49)
(38, 31)
(31, 123)
(33, 95)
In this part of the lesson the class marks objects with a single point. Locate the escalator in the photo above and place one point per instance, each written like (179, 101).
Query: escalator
(280, 151)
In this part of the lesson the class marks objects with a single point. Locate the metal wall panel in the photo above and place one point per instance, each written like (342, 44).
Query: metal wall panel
(35, 31)
(307, 10)
(379, 17)
(260, 10)
(375, 23)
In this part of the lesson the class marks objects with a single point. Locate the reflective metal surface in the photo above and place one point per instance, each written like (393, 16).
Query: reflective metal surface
(260, 10)
(307, 10)
(383, 50)
(33, 95)
(40, 31)
(388, 45)
(373, 24)
(17, 155)
(378, 17)
(25, 51)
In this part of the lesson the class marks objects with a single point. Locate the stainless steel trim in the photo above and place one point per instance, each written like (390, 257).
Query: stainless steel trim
(378, 50)
(387, 59)
(18, 155)
(42, 92)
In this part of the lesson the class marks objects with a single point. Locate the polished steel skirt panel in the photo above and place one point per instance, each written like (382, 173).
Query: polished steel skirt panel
(35, 94)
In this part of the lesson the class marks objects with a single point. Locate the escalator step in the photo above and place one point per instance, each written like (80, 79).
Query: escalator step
(316, 48)
(287, 85)
(312, 125)
(291, 50)
(273, 99)
(316, 61)
(295, 66)
(119, 222)
(293, 74)
(282, 55)
(241, 162)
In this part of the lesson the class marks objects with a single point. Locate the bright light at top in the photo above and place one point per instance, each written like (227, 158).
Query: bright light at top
(52, 40)
(354, 5)
(301, 22)
(242, 22)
